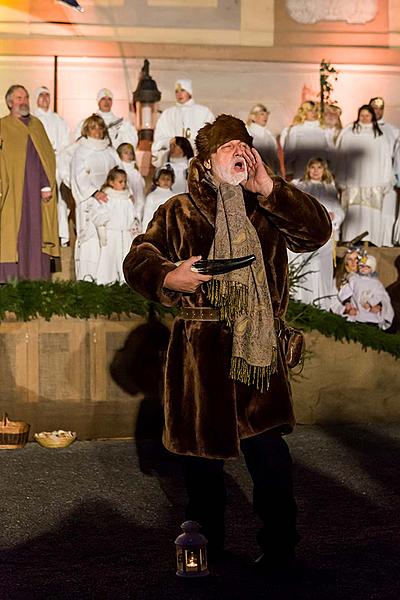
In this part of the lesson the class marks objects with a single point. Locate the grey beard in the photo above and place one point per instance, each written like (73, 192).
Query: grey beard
(236, 178)
(24, 110)
(232, 178)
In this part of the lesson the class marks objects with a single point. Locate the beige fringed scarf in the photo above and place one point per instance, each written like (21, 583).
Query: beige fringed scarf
(243, 295)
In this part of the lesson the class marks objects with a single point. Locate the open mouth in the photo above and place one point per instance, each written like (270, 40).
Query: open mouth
(239, 166)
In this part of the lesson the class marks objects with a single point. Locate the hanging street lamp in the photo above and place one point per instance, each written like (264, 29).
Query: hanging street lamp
(145, 100)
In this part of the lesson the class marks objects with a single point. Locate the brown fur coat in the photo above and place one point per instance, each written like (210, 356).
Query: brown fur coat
(206, 412)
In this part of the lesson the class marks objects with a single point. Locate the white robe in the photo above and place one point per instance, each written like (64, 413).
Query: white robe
(183, 120)
(180, 167)
(64, 163)
(302, 142)
(315, 269)
(327, 194)
(153, 201)
(121, 133)
(365, 175)
(91, 162)
(56, 128)
(390, 131)
(264, 141)
(362, 289)
(389, 211)
(58, 134)
(116, 223)
(136, 185)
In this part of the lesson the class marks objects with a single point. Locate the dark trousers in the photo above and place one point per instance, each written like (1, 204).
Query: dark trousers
(270, 466)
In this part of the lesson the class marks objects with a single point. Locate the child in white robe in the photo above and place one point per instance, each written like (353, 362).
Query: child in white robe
(179, 157)
(364, 299)
(126, 153)
(315, 269)
(163, 181)
(117, 223)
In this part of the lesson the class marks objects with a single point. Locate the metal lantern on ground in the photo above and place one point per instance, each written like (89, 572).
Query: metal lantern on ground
(191, 551)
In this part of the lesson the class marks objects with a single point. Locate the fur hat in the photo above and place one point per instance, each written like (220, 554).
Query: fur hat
(224, 129)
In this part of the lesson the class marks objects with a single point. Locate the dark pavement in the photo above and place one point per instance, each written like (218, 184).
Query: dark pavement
(98, 520)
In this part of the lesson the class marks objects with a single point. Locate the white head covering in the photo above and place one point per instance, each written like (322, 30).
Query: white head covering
(184, 84)
(371, 262)
(39, 90)
(104, 93)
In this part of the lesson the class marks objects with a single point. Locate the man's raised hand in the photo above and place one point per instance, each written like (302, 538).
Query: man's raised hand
(258, 180)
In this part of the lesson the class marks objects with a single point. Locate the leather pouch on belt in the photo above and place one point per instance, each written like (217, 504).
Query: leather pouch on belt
(294, 346)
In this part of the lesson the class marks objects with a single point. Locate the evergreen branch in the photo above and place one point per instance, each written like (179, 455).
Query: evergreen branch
(29, 300)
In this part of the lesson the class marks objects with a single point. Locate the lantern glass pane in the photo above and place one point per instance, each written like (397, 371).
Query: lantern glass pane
(192, 560)
(147, 116)
(179, 560)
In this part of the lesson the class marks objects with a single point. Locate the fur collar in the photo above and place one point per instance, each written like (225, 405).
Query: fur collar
(201, 190)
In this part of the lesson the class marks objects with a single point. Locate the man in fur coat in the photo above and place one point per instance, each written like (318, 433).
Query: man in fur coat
(226, 380)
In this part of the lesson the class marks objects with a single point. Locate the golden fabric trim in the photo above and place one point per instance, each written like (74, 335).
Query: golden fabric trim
(231, 298)
(259, 377)
(369, 196)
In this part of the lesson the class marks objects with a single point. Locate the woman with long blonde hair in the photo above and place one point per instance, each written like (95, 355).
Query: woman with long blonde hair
(93, 158)
(304, 139)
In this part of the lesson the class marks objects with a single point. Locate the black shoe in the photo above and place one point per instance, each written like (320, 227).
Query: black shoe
(281, 567)
(215, 553)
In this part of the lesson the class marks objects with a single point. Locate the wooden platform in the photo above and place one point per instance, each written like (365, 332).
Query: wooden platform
(55, 375)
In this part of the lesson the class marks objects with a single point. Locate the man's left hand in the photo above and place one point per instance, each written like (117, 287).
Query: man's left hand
(258, 180)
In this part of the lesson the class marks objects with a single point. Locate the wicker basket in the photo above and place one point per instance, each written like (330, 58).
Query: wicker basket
(13, 434)
(55, 439)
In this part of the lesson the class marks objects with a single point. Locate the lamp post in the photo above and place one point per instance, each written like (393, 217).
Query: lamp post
(145, 99)
(191, 551)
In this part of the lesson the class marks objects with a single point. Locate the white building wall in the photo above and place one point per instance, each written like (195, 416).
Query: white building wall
(225, 86)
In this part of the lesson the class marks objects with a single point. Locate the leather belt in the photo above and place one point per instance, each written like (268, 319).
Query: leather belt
(206, 313)
(199, 314)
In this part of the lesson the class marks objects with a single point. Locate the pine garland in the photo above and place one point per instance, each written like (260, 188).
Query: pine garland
(308, 318)
(78, 299)
(82, 299)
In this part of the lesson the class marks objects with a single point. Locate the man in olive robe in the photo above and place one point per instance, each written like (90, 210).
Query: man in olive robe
(28, 196)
